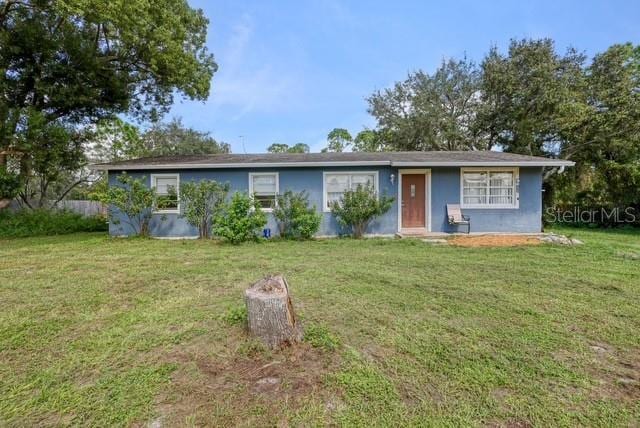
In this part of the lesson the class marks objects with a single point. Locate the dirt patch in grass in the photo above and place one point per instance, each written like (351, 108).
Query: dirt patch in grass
(618, 375)
(264, 384)
(494, 241)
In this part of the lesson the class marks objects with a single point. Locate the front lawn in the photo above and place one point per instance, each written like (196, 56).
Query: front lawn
(99, 331)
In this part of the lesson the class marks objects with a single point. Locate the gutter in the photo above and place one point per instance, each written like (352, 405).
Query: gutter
(134, 167)
(550, 162)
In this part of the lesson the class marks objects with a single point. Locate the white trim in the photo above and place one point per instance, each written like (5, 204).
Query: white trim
(541, 163)
(516, 187)
(258, 174)
(106, 167)
(152, 184)
(376, 185)
(427, 196)
(550, 162)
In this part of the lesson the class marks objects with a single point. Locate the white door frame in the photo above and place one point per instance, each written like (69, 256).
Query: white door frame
(427, 196)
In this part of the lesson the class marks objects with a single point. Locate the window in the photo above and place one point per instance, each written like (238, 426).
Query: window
(489, 188)
(264, 188)
(167, 191)
(336, 183)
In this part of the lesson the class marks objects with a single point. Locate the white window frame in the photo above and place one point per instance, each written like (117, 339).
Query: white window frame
(258, 174)
(325, 199)
(153, 185)
(516, 188)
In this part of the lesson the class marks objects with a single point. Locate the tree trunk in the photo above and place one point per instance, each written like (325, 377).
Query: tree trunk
(270, 312)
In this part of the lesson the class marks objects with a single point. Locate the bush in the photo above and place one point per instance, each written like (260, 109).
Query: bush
(133, 199)
(9, 184)
(295, 218)
(202, 202)
(43, 222)
(241, 220)
(359, 207)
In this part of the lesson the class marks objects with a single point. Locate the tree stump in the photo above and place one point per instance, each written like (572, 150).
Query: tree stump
(270, 313)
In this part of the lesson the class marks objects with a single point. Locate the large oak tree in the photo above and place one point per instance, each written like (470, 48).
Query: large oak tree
(431, 111)
(69, 63)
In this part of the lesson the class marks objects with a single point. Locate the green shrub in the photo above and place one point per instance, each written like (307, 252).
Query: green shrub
(133, 199)
(359, 207)
(43, 222)
(320, 337)
(202, 202)
(9, 184)
(236, 315)
(241, 220)
(296, 219)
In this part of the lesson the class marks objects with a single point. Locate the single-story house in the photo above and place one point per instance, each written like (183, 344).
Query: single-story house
(500, 192)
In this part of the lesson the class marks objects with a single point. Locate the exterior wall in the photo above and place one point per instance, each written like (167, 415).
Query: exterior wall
(445, 188)
(295, 179)
(527, 218)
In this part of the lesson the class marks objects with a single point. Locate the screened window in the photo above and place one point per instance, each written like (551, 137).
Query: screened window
(490, 188)
(167, 188)
(264, 188)
(336, 184)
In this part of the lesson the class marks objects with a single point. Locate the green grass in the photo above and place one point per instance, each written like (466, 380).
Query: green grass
(99, 331)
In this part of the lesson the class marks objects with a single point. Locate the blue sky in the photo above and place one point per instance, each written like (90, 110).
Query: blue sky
(290, 71)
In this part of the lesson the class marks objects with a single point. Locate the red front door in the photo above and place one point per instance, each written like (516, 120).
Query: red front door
(413, 201)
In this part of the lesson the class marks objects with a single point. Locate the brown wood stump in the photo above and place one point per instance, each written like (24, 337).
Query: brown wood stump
(270, 313)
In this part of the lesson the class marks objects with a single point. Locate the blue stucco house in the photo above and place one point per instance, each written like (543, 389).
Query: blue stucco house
(501, 192)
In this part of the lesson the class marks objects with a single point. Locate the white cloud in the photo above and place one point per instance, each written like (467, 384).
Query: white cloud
(246, 82)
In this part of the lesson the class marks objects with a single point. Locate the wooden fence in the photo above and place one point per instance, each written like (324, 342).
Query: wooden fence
(86, 208)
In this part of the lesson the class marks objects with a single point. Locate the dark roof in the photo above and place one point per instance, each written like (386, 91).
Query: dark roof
(266, 160)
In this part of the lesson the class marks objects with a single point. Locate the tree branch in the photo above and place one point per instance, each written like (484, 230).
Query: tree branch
(70, 188)
(25, 200)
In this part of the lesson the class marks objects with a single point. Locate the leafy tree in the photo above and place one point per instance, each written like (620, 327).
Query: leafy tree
(173, 138)
(49, 168)
(603, 133)
(285, 148)
(295, 217)
(69, 63)
(278, 148)
(299, 148)
(114, 140)
(110, 140)
(359, 207)
(9, 184)
(528, 94)
(132, 198)
(202, 202)
(241, 220)
(369, 140)
(338, 140)
(431, 112)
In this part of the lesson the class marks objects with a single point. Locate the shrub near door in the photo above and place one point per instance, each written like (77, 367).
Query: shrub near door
(359, 207)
